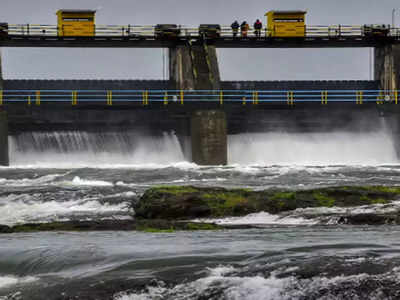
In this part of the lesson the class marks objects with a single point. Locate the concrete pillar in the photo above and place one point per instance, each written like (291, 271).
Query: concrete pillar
(194, 68)
(4, 158)
(1, 73)
(387, 72)
(209, 137)
(387, 66)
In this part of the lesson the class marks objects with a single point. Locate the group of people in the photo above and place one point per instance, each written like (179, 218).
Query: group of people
(244, 28)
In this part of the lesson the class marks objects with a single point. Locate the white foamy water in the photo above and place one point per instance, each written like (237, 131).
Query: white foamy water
(43, 180)
(121, 149)
(17, 209)
(6, 281)
(235, 288)
(78, 181)
(305, 216)
(324, 214)
(228, 285)
(74, 148)
(261, 218)
(338, 148)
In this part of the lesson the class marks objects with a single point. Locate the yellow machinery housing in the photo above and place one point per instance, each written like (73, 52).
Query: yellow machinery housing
(76, 22)
(286, 23)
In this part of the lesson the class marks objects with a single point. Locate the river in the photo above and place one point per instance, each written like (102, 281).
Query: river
(289, 258)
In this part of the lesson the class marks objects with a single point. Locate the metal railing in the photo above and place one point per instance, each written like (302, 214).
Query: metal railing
(146, 97)
(148, 31)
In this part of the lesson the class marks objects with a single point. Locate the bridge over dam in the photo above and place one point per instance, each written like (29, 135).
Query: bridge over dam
(195, 103)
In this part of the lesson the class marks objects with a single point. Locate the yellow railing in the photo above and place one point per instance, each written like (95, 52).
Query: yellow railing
(180, 97)
(149, 30)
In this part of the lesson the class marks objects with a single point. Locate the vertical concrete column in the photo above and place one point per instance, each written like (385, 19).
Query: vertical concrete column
(387, 72)
(1, 73)
(181, 68)
(387, 66)
(209, 137)
(4, 158)
(194, 68)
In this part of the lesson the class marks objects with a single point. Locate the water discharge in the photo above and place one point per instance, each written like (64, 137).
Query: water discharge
(337, 148)
(79, 148)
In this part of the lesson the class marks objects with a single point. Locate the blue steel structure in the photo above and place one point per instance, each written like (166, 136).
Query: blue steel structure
(147, 97)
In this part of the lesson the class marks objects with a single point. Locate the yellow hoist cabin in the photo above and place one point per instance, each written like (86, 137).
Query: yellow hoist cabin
(286, 23)
(75, 22)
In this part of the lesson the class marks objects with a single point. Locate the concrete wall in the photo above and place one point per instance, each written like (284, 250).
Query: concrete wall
(301, 85)
(84, 84)
(109, 84)
(387, 66)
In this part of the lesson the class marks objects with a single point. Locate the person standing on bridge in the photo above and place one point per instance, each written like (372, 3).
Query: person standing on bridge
(235, 28)
(244, 28)
(257, 28)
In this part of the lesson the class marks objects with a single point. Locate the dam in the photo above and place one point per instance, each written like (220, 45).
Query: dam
(194, 102)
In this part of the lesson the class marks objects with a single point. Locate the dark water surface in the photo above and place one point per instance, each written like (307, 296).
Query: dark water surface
(289, 259)
(270, 263)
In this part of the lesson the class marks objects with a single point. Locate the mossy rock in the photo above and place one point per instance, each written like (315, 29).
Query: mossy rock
(5, 229)
(174, 202)
(153, 225)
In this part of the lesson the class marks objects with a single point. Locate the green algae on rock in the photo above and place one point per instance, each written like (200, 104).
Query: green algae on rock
(154, 225)
(175, 202)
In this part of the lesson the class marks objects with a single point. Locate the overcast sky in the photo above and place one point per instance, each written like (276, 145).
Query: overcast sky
(235, 64)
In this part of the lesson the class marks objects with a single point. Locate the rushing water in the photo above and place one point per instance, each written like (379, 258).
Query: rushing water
(301, 255)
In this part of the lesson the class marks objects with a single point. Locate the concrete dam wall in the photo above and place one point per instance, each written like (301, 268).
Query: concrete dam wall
(109, 84)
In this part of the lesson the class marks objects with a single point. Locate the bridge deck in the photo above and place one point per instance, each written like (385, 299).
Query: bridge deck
(222, 42)
(147, 36)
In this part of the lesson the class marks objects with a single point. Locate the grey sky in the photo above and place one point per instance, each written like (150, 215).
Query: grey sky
(241, 64)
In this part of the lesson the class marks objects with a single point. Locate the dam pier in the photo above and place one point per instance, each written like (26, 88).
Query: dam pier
(4, 152)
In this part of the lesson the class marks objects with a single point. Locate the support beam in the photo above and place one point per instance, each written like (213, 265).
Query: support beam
(387, 66)
(194, 68)
(387, 72)
(4, 158)
(209, 137)
(1, 73)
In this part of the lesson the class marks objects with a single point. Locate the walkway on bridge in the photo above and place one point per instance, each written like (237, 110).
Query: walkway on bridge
(29, 35)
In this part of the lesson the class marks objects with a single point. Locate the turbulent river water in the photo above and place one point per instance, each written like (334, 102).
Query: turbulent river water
(302, 255)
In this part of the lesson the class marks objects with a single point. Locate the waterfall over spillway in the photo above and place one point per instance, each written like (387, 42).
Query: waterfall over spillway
(88, 148)
(81, 148)
(312, 149)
